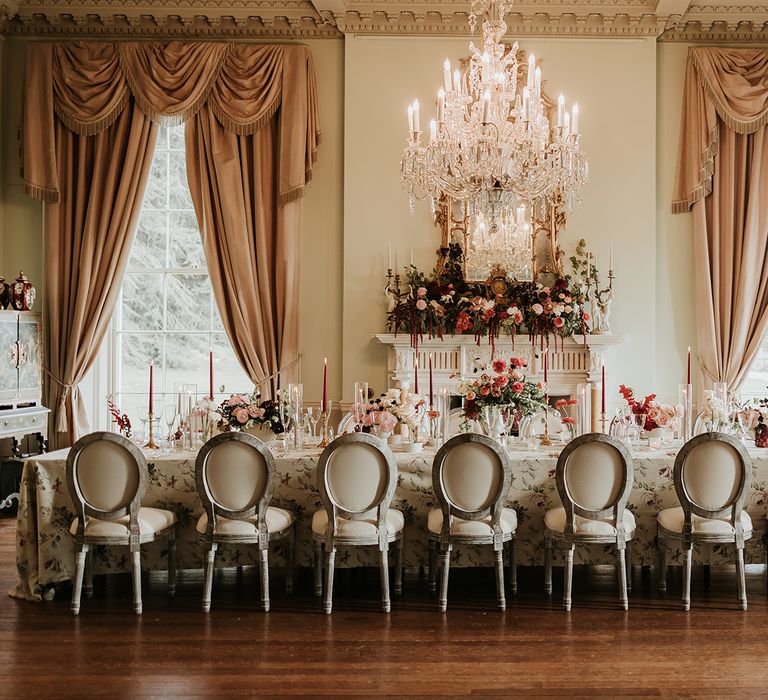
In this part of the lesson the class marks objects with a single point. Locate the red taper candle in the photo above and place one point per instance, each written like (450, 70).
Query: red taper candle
(325, 385)
(603, 383)
(151, 381)
(431, 400)
(689, 364)
(416, 375)
(210, 374)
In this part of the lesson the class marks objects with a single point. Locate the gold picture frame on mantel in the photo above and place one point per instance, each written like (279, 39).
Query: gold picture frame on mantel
(546, 256)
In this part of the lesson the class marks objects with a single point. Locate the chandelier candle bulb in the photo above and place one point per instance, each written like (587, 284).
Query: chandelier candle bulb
(487, 107)
(537, 82)
(575, 119)
(432, 130)
(526, 104)
(447, 75)
(441, 106)
(560, 109)
(416, 119)
(531, 69)
(457, 81)
(410, 119)
(566, 124)
(610, 262)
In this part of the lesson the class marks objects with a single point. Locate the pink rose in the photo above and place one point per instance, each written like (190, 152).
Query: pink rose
(471, 396)
(568, 309)
(496, 391)
(517, 387)
(502, 380)
(421, 304)
(387, 422)
(663, 420)
(485, 390)
(241, 415)
(368, 420)
(518, 318)
(253, 411)
(558, 322)
(538, 309)
(421, 292)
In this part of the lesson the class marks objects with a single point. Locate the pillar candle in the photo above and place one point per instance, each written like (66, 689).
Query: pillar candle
(210, 373)
(151, 381)
(594, 408)
(431, 397)
(325, 385)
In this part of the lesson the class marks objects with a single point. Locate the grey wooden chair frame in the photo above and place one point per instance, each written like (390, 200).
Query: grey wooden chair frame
(499, 539)
(133, 540)
(262, 537)
(570, 538)
(327, 543)
(688, 537)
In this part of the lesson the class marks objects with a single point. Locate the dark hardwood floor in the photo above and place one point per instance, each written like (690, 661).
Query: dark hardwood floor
(534, 649)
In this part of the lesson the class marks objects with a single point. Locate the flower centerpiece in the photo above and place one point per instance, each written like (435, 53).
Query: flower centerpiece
(241, 412)
(569, 422)
(206, 412)
(393, 408)
(504, 385)
(715, 413)
(657, 415)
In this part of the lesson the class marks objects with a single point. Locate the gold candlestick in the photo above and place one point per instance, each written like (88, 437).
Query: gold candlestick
(151, 444)
(325, 415)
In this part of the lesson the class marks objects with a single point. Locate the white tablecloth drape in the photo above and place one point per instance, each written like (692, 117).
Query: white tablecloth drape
(45, 553)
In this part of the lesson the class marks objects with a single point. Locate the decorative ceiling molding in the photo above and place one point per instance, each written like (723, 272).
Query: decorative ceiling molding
(670, 20)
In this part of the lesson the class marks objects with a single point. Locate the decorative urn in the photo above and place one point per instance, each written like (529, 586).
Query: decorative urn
(22, 294)
(761, 434)
(5, 293)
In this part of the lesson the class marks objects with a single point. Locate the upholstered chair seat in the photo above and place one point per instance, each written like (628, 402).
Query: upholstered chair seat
(554, 520)
(356, 478)
(236, 475)
(472, 528)
(152, 522)
(594, 478)
(712, 474)
(106, 476)
(673, 521)
(278, 520)
(359, 529)
(471, 476)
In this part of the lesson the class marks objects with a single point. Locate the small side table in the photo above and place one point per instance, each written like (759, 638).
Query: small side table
(16, 424)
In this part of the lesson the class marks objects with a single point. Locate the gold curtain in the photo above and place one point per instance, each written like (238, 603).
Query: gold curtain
(723, 176)
(87, 141)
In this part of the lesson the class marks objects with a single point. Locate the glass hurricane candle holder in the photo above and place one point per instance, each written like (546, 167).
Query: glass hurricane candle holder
(685, 405)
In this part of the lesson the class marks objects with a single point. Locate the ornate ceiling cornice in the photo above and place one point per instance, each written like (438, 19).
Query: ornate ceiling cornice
(671, 20)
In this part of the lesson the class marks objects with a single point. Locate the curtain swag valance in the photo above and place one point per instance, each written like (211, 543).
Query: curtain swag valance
(87, 85)
(726, 84)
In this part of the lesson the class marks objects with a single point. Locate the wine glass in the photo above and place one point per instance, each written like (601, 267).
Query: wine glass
(638, 423)
(169, 416)
(743, 419)
(314, 416)
(360, 404)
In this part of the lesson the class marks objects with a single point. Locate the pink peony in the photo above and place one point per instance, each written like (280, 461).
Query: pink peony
(485, 390)
(517, 387)
(502, 380)
(421, 292)
(496, 391)
(253, 411)
(538, 309)
(241, 415)
(499, 366)
(387, 422)
(421, 304)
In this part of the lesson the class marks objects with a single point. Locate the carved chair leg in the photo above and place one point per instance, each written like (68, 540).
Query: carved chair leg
(264, 569)
(136, 571)
(399, 566)
(547, 564)
(289, 562)
(77, 588)
(330, 558)
(629, 565)
(513, 565)
(88, 577)
(384, 571)
(568, 550)
(501, 600)
(318, 569)
(445, 555)
(432, 585)
(210, 564)
(740, 574)
(661, 563)
(172, 565)
(623, 599)
(687, 560)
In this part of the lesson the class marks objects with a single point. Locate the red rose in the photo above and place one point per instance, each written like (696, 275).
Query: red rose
(558, 322)
(485, 390)
(517, 387)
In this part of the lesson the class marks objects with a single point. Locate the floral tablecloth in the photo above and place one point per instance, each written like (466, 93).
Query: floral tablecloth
(45, 553)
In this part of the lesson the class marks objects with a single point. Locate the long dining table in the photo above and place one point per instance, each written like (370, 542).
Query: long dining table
(45, 550)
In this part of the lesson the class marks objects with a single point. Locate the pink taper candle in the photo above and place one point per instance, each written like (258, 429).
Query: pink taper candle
(325, 385)
(151, 370)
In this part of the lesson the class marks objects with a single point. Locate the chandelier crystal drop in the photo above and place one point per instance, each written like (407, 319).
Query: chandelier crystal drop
(492, 145)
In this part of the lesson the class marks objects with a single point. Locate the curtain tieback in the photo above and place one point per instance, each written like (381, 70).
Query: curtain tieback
(277, 373)
(62, 425)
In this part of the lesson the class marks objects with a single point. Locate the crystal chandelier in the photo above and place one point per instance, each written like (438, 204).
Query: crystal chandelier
(492, 146)
(505, 243)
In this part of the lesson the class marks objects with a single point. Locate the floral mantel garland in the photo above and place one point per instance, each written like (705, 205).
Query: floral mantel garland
(444, 303)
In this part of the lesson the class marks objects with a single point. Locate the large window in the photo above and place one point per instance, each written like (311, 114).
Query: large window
(167, 313)
(756, 383)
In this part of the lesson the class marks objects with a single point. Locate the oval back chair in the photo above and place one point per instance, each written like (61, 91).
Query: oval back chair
(106, 481)
(236, 475)
(713, 472)
(471, 476)
(356, 478)
(594, 479)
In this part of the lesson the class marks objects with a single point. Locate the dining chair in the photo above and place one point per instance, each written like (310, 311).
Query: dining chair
(471, 476)
(236, 475)
(712, 475)
(106, 481)
(356, 478)
(594, 479)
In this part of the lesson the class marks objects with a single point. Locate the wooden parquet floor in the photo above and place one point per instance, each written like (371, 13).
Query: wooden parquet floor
(533, 650)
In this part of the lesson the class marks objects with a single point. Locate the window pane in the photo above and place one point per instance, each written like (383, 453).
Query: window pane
(176, 138)
(189, 299)
(186, 360)
(177, 180)
(142, 301)
(149, 246)
(156, 196)
(186, 249)
(229, 377)
(137, 350)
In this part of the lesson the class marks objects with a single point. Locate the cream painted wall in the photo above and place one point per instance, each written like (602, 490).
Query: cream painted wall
(615, 85)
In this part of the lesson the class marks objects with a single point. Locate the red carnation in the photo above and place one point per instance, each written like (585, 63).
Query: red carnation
(517, 387)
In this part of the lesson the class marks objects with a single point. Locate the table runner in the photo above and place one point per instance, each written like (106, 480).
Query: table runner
(45, 551)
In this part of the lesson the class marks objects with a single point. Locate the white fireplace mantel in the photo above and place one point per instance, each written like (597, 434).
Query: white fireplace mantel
(455, 356)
